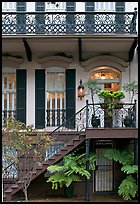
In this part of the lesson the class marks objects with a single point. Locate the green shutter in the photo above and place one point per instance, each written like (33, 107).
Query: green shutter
(120, 6)
(89, 6)
(89, 19)
(40, 18)
(39, 6)
(39, 98)
(21, 6)
(119, 18)
(21, 18)
(21, 95)
(70, 25)
(70, 95)
(70, 6)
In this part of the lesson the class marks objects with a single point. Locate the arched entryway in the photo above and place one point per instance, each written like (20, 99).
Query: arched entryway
(107, 77)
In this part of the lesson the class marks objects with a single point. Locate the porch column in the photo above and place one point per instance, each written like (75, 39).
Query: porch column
(136, 157)
(87, 182)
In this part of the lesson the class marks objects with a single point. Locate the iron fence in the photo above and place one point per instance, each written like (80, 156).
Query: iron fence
(52, 23)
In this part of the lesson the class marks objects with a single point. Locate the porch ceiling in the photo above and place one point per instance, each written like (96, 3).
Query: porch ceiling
(89, 46)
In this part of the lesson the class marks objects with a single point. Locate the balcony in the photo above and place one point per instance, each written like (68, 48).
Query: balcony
(67, 23)
(83, 118)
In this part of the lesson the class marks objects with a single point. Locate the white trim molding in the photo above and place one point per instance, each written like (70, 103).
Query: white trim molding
(105, 60)
(57, 61)
(9, 61)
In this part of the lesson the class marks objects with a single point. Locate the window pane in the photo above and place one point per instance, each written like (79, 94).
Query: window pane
(55, 98)
(9, 95)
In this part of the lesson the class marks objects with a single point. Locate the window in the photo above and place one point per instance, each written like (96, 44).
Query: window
(56, 6)
(8, 6)
(8, 95)
(55, 98)
(107, 78)
(104, 6)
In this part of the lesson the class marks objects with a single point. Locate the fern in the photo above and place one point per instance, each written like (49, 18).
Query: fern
(128, 188)
(55, 168)
(128, 169)
(62, 180)
(123, 157)
(70, 169)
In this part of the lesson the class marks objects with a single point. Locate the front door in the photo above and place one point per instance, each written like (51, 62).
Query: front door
(103, 174)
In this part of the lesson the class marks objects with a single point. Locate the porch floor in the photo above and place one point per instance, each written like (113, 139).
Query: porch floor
(95, 198)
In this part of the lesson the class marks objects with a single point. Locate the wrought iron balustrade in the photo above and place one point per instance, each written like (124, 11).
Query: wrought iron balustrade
(6, 114)
(83, 119)
(114, 118)
(52, 23)
(55, 117)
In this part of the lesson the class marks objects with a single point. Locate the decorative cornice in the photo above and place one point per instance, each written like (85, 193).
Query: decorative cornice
(58, 61)
(105, 60)
(10, 61)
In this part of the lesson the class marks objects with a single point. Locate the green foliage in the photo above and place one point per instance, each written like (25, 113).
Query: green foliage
(109, 95)
(118, 94)
(70, 169)
(128, 188)
(130, 169)
(60, 180)
(123, 157)
(111, 98)
(132, 88)
(23, 150)
(92, 88)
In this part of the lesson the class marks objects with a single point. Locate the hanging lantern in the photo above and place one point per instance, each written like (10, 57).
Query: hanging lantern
(81, 90)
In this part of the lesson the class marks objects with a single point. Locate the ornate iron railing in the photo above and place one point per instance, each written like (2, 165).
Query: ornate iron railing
(123, 115)
(6, 114)
(75, 125)
(52, 23)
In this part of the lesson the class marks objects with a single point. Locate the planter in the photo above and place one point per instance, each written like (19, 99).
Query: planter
(104, 105)
(95, 122)
(118, 106)
(68, 191)
(127, 122)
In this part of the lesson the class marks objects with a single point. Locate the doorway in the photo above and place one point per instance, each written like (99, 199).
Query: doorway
(103, 174)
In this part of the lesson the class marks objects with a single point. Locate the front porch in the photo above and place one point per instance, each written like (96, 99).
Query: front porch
(79, 130)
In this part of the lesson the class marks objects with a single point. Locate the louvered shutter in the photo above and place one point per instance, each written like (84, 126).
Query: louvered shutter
(39, 99)
(40, 18)
(21, 18)
(70, 22)
(70, 97)
(119, 18)
(21, 95)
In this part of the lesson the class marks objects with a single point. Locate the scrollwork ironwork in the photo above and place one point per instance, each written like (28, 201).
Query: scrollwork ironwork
(68, 23)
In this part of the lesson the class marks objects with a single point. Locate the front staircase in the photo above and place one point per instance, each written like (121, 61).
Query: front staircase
(67, 137)
(78, 139)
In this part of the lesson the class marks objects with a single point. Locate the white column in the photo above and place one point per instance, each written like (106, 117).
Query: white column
(30, 97)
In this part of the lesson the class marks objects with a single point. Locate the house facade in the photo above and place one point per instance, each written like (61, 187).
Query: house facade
(47, 49)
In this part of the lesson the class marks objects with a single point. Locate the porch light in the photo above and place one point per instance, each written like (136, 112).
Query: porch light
(81, 90)
(103, 76)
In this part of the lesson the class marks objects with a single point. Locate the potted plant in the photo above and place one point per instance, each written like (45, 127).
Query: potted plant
(70, 170)
(129, 118)
(92, 90)
(132, 88)
(111, 100)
